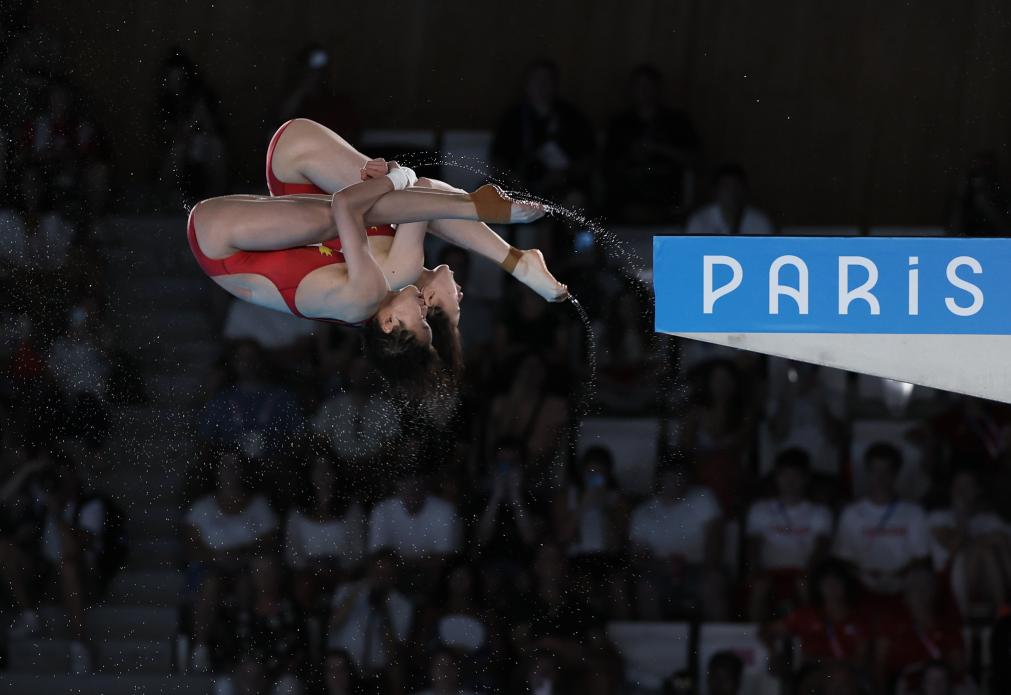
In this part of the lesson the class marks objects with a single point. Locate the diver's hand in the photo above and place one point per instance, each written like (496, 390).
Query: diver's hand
(374, 168)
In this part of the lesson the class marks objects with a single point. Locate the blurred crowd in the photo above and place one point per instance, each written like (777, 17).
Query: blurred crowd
(338, 543)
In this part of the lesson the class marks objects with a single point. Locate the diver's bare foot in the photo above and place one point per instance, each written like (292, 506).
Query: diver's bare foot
(533, 272)
(496, 207)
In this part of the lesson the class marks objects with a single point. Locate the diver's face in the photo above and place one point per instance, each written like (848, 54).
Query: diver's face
(407, 310)
(440, 290)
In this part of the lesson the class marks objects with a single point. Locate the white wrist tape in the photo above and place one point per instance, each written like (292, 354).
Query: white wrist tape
(402, 177)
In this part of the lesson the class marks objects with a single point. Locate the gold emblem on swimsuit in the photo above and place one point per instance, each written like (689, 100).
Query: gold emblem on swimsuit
(325, 250)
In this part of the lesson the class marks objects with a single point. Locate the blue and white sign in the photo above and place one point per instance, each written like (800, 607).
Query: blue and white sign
(863, 285)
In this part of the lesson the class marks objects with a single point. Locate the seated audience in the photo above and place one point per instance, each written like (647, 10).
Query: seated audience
(677, 542)
(226, 529)
(730, 212)
(650, 156)
(882, 535)
(371, 621)
(545, 141)
(324, 536)
(786, 535)
(358, 422)
(971, 547)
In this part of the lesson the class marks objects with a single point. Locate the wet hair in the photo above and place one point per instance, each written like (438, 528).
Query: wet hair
(886, 452)
(446, 341)
(411, 368)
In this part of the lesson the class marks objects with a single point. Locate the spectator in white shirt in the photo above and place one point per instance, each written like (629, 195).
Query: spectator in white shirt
(421, 528)
(371, 620)
(882, 535)
(974, 545)
(358, 423)
(786, 534)
(325, 539)
(226, 529)
(730, 212)
(677, 541)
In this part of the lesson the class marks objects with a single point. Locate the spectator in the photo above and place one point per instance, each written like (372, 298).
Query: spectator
(35, 239)
(804, 414)
(677, 539)
(541, 675)
(259, 416)
(507, 528)
(314, 97)
(420, 527)
(529, 413)
(270, 628)
(325, 538)
(926, 627)
(591, 518)
(626, 353)
(359, 423)
(193, 164)
(72, 546)
(455, 617)
(786, 535)
(81, 367)
(651, 154)
(339, 674)
(545, 141)
(972, 547)
(832, 627)
(981, 206)
(719, 428)
(444, 675)
(730, 212)
(371, 620)
(21, 517)
(724, 674)
(882, 535)
(226, 530)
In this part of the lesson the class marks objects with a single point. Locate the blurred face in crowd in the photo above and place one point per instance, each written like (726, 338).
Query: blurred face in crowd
(723, 681)
(791, 482)
(722, 384)
(881, 476)
(338, 674)
(550, 564)
(543, 673)
(230, 485)
(645, 92)
(541, 88)
(247, 363)
(383, 574)
(936, 680)
(249, 678)
(266, 576)
(594, 474)
(412, 493)
(731, 195)
(673, 484)
(323, 479)
(964, 492)
(445, 673)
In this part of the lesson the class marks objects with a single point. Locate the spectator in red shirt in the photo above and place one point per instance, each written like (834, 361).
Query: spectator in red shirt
(926, 627)
(832, 628)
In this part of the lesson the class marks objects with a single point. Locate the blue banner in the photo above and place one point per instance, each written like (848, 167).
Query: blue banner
(770, 284)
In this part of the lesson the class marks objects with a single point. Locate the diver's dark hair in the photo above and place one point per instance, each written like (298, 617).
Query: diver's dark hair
(446, 341)
(410, 368)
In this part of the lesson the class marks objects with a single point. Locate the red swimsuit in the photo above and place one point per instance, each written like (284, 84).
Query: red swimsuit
(285, 268)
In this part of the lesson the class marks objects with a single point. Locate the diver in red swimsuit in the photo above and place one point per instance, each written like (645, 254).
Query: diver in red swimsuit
(259, 249)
